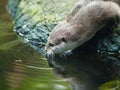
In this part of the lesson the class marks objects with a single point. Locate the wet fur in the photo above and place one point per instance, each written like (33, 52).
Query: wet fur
(81, 24)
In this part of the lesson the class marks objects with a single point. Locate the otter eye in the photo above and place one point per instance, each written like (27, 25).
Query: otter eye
(51, 44)
(63, 39)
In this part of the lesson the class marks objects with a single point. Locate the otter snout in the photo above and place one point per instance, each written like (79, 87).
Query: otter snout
(50, 55)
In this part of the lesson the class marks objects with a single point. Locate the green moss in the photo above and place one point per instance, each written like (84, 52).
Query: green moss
(111, 85)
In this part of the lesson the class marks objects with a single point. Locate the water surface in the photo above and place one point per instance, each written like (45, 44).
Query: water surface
(21, 68)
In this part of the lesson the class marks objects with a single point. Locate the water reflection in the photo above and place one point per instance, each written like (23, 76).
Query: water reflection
(91, 65)
(87, 72)
(16, 74)
(21, 68)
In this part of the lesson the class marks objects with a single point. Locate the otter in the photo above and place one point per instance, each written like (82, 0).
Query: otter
(81, 3)
(81, 25)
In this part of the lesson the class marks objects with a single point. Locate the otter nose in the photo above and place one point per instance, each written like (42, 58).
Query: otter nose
(49, 56)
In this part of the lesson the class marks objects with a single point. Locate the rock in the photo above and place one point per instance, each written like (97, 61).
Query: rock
(12, 7)
(33, 20)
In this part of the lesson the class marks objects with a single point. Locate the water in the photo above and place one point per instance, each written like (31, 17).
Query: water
(21, 68)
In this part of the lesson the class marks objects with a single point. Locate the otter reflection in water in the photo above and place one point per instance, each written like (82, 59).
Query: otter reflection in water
(91, 64)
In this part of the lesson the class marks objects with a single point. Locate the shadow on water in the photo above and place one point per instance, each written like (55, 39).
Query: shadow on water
(21, 68)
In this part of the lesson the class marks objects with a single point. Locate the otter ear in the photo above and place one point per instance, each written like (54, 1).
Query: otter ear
(63, 39)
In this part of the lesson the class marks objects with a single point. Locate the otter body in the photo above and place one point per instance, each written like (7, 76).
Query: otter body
(81, 24)
(82, 3)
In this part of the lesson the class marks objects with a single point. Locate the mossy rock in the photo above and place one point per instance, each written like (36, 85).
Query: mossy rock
(112, 85)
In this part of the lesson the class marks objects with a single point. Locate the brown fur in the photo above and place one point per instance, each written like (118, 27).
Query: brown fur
(82, 23)
(82, 3)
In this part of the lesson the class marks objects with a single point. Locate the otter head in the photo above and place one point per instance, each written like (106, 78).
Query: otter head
(61, 39)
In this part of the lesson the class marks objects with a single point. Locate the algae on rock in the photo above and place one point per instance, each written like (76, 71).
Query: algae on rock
(34, 19)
